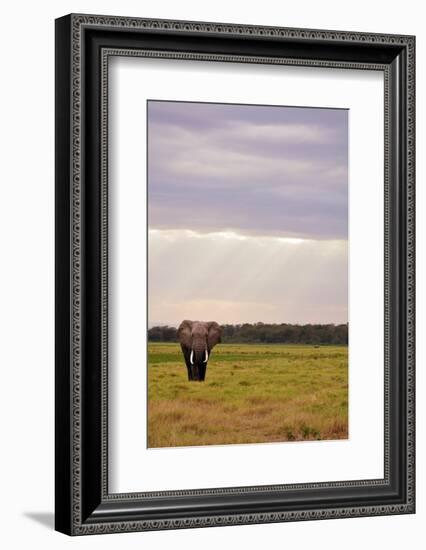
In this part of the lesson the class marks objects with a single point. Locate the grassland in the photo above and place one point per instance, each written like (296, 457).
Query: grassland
(252, 394)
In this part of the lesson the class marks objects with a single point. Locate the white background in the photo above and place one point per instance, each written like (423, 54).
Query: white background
(26, 218)
(132, 81)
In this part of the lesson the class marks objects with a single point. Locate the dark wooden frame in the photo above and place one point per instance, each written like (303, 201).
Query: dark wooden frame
(83, 46)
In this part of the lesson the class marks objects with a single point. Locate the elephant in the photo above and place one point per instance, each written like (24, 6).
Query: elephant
(197, 339)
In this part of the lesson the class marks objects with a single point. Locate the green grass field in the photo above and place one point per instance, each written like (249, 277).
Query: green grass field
(252, 394)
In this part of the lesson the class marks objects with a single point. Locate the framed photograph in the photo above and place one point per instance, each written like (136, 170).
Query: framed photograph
(234, 274)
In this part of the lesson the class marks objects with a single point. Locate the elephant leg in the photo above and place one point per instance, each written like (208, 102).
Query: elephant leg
(187, 354)
(188, 368)
(203, 372)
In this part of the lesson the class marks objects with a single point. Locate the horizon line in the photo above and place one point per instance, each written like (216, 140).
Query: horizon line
(173, 325)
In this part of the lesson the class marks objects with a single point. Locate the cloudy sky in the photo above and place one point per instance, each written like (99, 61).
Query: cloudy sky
(247, 213)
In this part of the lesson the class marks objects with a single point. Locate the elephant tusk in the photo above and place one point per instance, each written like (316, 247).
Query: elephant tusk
(207, 357)
(191, 359)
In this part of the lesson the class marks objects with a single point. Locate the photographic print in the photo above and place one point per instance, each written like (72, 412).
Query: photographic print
(247, 273)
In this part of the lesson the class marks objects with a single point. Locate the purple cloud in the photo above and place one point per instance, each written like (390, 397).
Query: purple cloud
(259, 170)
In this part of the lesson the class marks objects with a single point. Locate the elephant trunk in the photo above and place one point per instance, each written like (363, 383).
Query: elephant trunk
(205, 360)
(199, 351)
(198, 359)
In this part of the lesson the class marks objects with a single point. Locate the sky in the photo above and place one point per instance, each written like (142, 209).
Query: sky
(247, 213)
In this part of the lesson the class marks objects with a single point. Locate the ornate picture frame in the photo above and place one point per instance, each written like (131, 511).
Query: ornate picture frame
(84, 44)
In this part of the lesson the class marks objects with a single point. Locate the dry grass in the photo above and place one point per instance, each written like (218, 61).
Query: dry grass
(252, 394)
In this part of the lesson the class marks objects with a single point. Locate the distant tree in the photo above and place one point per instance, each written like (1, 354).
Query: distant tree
(162, 334)
(267, 333)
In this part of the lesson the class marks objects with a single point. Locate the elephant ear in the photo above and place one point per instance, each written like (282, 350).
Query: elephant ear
(215, 333)
(184, 333)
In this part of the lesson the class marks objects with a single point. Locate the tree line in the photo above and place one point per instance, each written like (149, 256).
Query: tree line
(264, 333)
